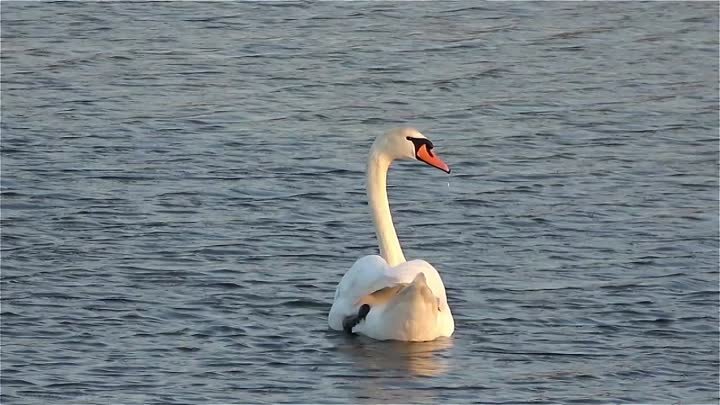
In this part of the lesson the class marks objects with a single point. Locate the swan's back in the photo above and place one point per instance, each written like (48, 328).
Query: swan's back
(407, 302)
(408, 312)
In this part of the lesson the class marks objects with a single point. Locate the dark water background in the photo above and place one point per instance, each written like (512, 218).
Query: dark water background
(183, 188)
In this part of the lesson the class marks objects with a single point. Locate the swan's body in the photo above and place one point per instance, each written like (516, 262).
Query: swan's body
(386, 297)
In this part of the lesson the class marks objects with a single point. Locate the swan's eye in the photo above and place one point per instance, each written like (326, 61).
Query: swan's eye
(419, 142)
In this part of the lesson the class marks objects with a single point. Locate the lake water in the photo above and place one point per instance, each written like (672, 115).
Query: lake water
(183, 187)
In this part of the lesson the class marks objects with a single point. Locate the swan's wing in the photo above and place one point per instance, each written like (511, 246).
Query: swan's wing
(382, 296)
(368, 275)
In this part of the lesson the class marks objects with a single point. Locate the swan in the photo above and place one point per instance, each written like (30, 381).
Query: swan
(386, 297)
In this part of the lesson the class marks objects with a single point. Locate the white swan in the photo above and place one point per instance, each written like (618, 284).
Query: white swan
(385, 297)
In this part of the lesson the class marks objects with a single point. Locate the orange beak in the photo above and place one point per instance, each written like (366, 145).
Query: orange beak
(426, 155)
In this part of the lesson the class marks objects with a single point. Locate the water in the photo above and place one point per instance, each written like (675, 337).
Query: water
(183, 189)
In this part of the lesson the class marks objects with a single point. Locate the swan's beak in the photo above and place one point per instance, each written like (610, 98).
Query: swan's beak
(427, 156)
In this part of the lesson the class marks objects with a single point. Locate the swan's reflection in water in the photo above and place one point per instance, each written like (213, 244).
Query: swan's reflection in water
(393, 372)
(423, 359)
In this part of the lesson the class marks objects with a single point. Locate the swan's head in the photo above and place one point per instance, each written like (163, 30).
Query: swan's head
(409, 144)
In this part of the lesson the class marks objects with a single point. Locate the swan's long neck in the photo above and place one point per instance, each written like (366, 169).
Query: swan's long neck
(378, 165)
